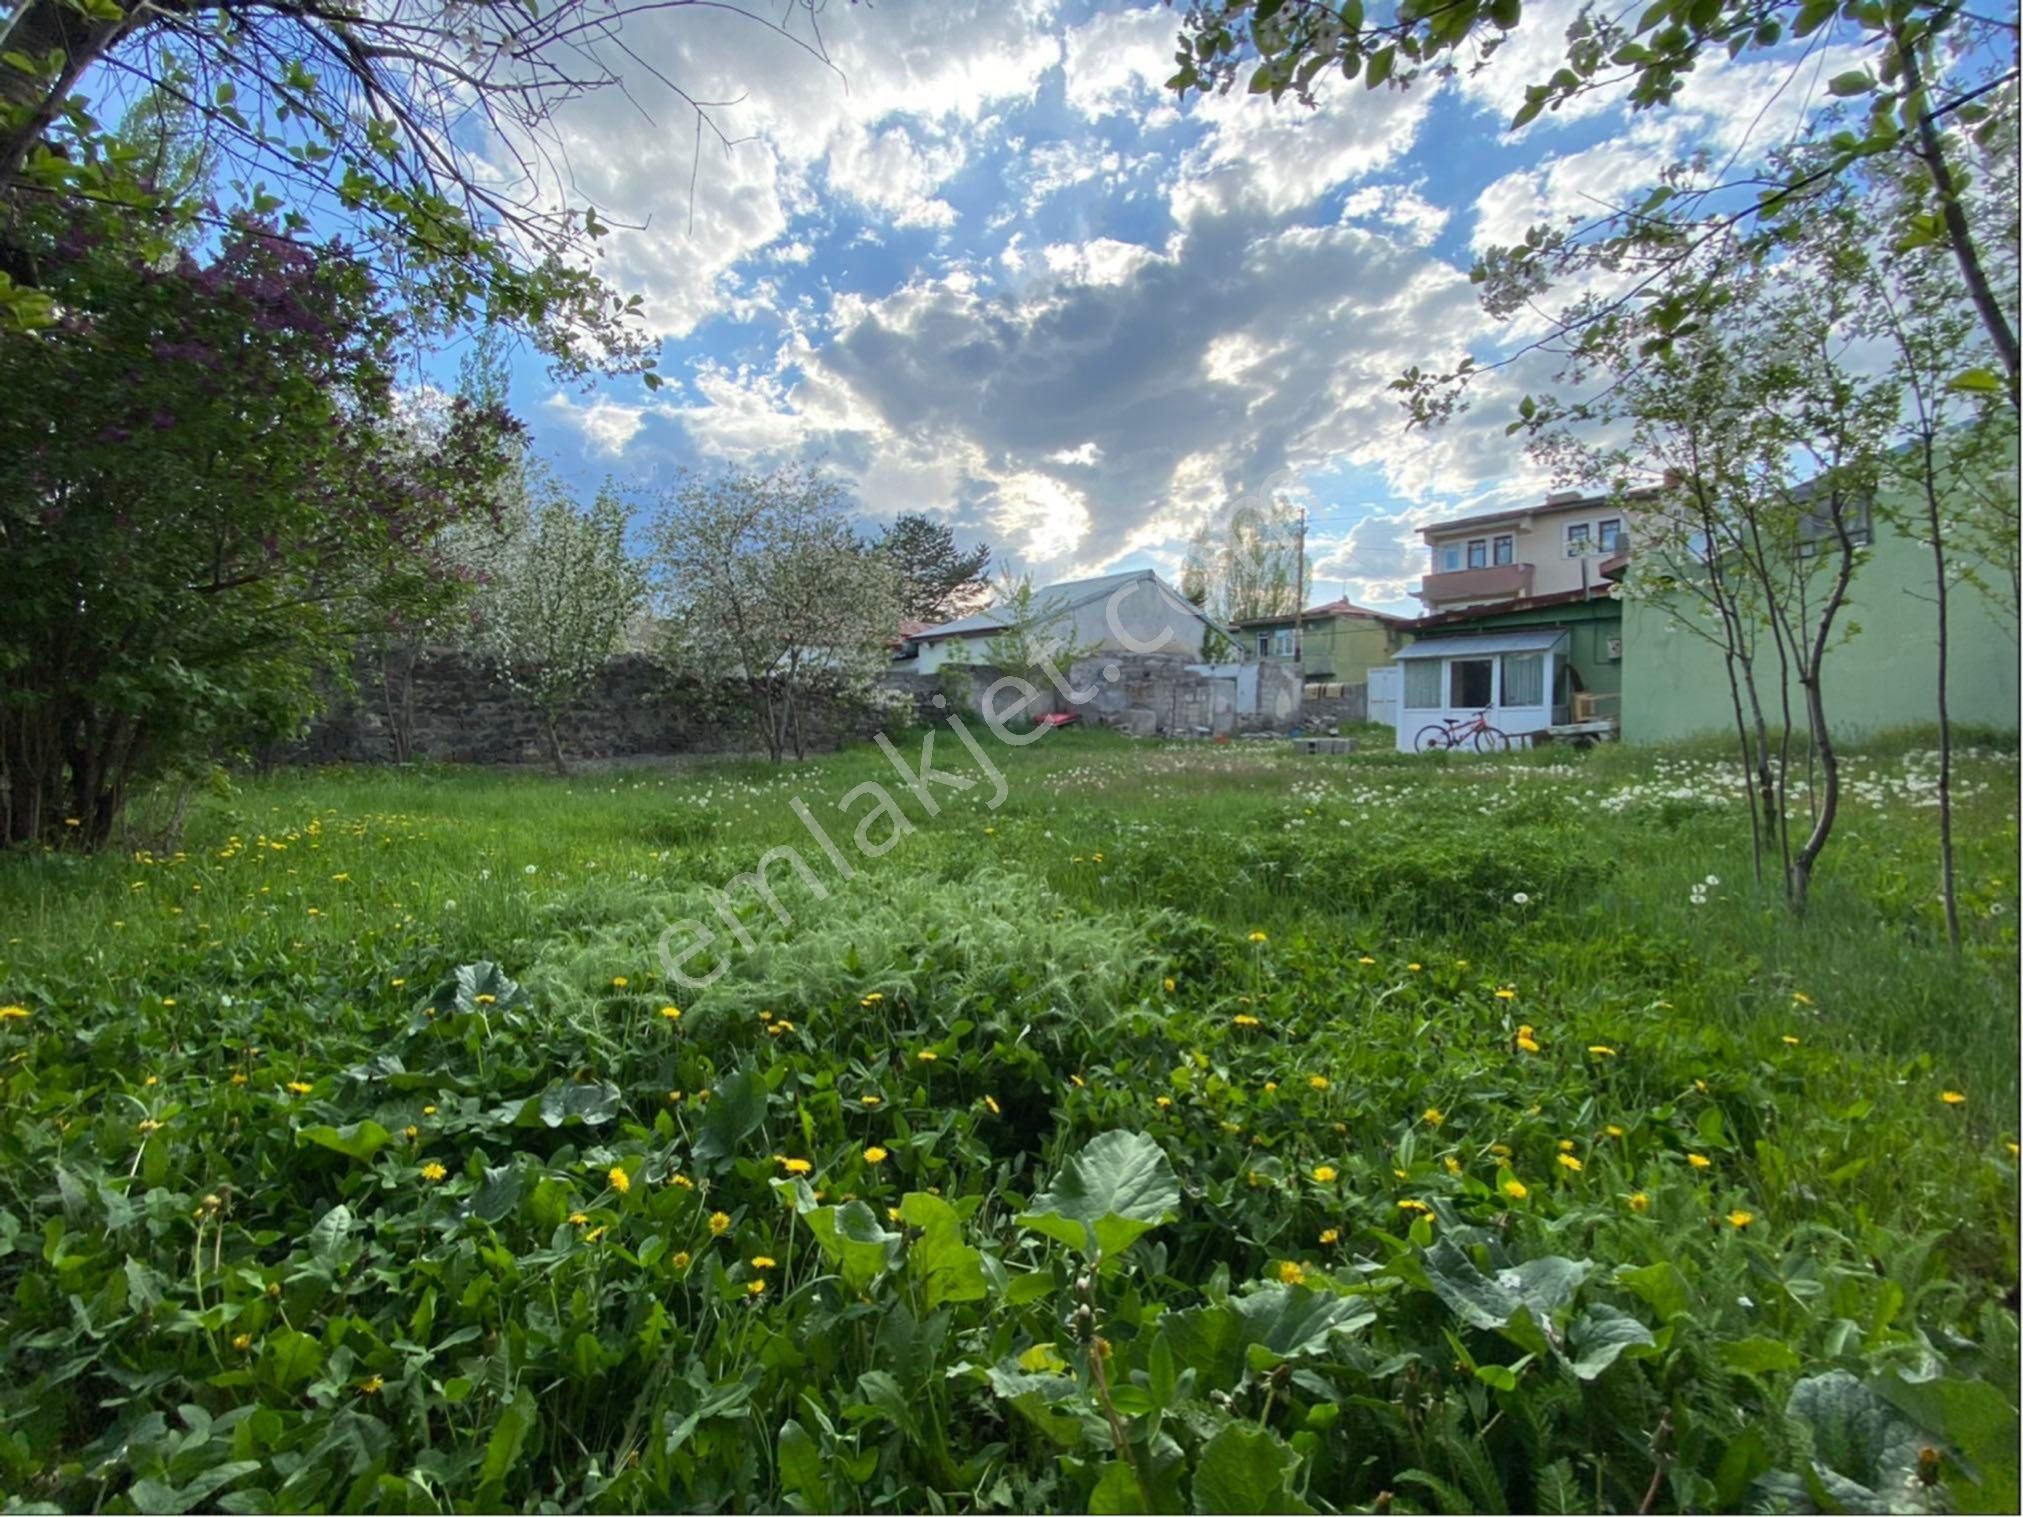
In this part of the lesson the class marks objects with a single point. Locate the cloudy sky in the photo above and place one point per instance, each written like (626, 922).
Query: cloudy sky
(983, 265)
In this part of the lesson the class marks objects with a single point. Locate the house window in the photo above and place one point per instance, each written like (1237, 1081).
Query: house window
(1264, 645)
(1523, 679)
(1422, 684)
(1610, 534)
(1281, 642)
(1450, 557)
(1478, 553)
(1469, 681)
(1505, 549)
(1815, 527)
(1576, 539)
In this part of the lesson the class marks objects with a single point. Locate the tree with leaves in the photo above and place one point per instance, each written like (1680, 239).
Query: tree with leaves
(558, 599)
(1937, 67)
(938, 580)
(207, 492)
(427, 128)
(764, 586)
(1250, 568)
(1036, 634)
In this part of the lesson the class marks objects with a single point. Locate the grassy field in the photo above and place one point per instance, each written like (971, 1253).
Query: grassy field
(1198, 1128)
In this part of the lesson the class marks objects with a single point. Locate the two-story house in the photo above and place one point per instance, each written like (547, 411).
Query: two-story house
(1570, 544)
(1338, 643)
(1521, 620)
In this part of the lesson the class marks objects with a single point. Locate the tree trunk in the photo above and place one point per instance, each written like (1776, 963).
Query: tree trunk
(1959, 236)
(553, 729)
(1948, 880)
(43, 27)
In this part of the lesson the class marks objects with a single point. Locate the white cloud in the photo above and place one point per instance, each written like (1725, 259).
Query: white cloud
(1115, 58)
(607, 425)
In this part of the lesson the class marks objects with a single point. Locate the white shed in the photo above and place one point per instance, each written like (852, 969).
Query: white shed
(1511, 678)
(1132, 612)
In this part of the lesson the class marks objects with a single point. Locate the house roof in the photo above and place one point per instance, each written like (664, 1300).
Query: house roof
(1056, 600)
(1332, 609)
(1484, 644)
(1496, 608)
(1552, 505)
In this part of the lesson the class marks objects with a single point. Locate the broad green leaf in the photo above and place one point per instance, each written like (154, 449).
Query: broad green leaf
(1470, 1295)
(1109, 1195)
(358, 1140)
(735, 1112)
(1244, 1470)
(1977, 1420)
(1116, 1493)
(801, 1467)
(1601, 1335)
(502, 1451)
(1758, 1356)
(948, 1268)
(288, 1357)
(1855, 1433)
(1280, 1322)
(592, 1102)
(853, 1240)
(1976, 381)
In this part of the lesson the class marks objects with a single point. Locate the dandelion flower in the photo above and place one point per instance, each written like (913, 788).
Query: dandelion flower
(671, 1013)
(796, 1166)
(371, 1385)
(764, 1261)
(1505, 993)
(1801, 998)
(1318, 1082)
(1639, 1202)
(485, 1000)
(680, 1260)
(1790, 1041)
(1325, 1173)
(300, 1087)
(1453, 1164)
(927, 1056)
(1244, 1019)
(756, 1288)
(875, 1155)
(1433, 1116)
(1527, 1043)
(1520, 898)
(872, 1100)
(433, 1172)
(12, 1013)
(1952, 1097)
(620, 1180)
(1568, 1161)
(1601, 1050)
(718, 1224)
(1258, 937)
(1289, 1273)
(1171, 984)
(1698, 1161)
(995, 1109)
(1515, 1189)
(243, 1342)
(1366, 959)
(1613, 1131)
(1413, 967)
(619, 982)
(1418, 1207)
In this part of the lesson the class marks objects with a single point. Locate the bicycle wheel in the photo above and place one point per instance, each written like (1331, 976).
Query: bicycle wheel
(1489, 740)
(1432, 738)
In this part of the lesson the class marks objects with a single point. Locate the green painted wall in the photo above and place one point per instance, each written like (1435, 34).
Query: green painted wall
(1347, 647)
(1882, 677)
(1589, 625)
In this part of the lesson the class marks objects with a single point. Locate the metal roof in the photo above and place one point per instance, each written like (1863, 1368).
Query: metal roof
(1484, 645)
(1057, 600)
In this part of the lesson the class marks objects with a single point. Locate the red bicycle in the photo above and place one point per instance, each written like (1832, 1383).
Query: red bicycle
(1451, 732)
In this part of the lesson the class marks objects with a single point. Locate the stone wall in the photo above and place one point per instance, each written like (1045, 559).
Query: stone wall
(1145, 694)
(1347, 709)
(454, 709)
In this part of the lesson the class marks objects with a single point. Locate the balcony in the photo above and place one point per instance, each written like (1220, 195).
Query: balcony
(1495, 582)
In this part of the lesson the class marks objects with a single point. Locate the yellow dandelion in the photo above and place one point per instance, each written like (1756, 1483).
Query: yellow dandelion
(875, 1155)
(718, 1222)
(1952, 1097)
(1740, 1219)
(756, 1288)
(1244, 1019)
(1699, 1161)
(681, 1181)
(1639, 1202)
(1325, 1173)
(872, 1100)
(1270, 1086)
(620, 1180)
(428, 1111)
(1801, 998)
(12, 1013)
(433, 1172)
(1318, 1082)
(1366, 959)
(1162, 1102)
(1515, 1189)
(1419, 1207)
(242, 1342)
(1505, 993)
(300, 1087)
(371, 1385)
(1258, 937)
(410, 1132)
(1453, 1164)
(238, 1077)
(797, 1166)
(763, 1261)
(927, 1056)
(1289, 1273)
(995, 1109)
(680, 1260)
(486, 1000)
(1526, 1043)
(671, 1013)
(619, 982)
(1171, 985)
(1568, 1161)
(1433, 1116)
(1790, 1041)
(1601, 1050)
(872, 999)
(396, 984)
(1413, 967)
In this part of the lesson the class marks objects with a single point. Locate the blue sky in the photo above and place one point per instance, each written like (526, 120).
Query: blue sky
(988, 269)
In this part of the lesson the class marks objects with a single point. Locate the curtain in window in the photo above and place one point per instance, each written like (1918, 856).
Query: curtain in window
(1422, 685)
(1524, 679)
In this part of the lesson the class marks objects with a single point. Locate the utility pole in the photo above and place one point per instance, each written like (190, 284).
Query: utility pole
(1299, 590)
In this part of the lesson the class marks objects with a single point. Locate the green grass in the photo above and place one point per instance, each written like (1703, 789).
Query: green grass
(232, 1281)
